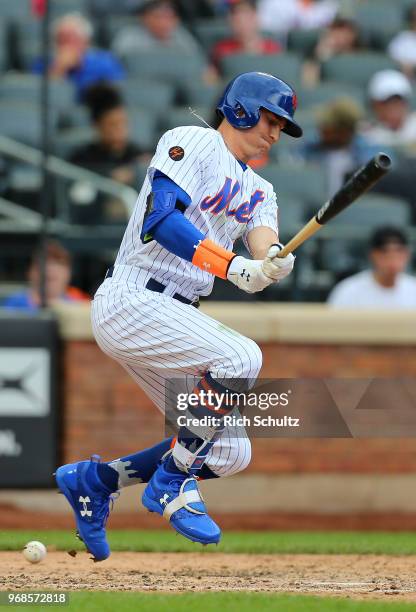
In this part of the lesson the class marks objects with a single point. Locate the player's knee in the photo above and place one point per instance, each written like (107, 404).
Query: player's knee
(250, 360)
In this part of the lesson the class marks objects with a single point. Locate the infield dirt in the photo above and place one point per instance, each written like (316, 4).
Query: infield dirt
(354, 576)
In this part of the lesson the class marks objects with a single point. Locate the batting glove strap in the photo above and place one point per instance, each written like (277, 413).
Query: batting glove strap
(183, 500)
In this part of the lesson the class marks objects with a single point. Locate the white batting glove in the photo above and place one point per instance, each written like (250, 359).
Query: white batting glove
(248, 274)
(277, 268)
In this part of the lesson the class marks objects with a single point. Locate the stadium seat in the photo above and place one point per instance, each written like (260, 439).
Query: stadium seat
(175, 68)
(78, 116)
(4, 58)
(287, 66)
(292, 214)
(147, 94)
(300, 181)
(346, 251)
(303, 41)
(373, 210)
(200, 94)
(14, 9)
(22, 122)
(68, 140)
(27, 37)
(62, 7)
(18, 87)
(355, 68)
(211, 31)
(111, 24)
(323, 93)
(143, 130)
(380, 16)
(182, 116)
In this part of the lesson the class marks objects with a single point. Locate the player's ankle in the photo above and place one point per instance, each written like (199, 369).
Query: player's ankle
(174, 467)
(106, 476)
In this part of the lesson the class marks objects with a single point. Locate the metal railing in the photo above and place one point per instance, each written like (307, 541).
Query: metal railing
(60, 169)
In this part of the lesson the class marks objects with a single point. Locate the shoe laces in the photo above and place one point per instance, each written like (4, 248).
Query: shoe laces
(104, 505)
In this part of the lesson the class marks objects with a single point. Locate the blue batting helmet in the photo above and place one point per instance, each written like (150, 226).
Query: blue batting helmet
(251, 91)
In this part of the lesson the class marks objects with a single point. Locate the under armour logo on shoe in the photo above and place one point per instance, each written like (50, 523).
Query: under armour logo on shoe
(245, 275)
(164, 500)
(84, 501)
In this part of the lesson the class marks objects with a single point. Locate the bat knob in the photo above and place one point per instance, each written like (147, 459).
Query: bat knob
(383, 161)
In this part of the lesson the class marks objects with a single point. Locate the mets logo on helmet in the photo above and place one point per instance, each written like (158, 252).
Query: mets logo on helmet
(295, 102)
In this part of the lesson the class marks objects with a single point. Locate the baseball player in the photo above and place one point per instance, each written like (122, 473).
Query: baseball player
(198, 198)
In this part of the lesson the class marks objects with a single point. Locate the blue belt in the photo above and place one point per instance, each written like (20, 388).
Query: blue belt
(154, 285)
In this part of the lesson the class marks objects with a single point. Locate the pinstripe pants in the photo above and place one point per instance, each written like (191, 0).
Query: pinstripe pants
(157, 338)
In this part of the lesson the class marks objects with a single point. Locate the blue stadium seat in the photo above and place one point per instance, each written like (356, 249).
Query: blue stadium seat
(327, 92)
(175, 68)
(300, 181)
(182, 116)
(355, 68)
(372, 210)
(293, 213)
(211, 31)
(143, 128)
(200, 94)
(153, 95)
(286, 66)
(27, 87)
(22, 121)
(303, 41)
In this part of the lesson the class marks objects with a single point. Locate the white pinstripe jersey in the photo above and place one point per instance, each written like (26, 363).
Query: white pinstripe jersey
(227, 203)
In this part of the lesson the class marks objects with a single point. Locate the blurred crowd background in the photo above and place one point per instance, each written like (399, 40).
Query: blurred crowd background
(121, 73)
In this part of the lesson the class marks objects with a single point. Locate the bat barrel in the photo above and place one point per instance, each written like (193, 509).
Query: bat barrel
(356, 185)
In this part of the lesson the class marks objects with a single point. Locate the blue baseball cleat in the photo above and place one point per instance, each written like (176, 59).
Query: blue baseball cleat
(177, 498)
(90, 500)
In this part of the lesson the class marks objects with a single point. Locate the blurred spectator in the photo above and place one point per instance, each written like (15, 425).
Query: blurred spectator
(385, 285)
(337, 147)
(75, 59)
(280, 17)
(58, 276)
(403, 46)
(112, 153)
(341, 36)
(158, 27)
(389, 92)
(246, 35)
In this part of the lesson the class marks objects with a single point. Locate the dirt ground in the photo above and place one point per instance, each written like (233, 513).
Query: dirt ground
(354, 576)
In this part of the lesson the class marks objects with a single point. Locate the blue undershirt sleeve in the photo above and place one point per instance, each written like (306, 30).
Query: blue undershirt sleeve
(174, 232)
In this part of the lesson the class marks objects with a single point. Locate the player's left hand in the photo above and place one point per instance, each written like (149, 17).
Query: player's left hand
(275, 267)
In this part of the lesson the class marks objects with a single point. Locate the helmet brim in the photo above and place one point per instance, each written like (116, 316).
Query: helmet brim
(291, 128)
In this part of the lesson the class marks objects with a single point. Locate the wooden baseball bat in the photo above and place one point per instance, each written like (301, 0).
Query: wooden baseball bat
(356, 185)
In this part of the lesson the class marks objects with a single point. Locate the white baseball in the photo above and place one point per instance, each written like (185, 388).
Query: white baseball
(34, 551)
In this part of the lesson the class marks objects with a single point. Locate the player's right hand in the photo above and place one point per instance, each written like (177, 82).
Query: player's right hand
(248, 275)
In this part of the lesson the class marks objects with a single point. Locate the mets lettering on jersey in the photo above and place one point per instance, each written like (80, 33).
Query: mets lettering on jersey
(222, 200)
(228, 201)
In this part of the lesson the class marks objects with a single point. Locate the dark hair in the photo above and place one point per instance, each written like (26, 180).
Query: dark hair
(232, 4)
(101, 99)
(54, 251)
(149, 5)
(411, 13)
(387, 235)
